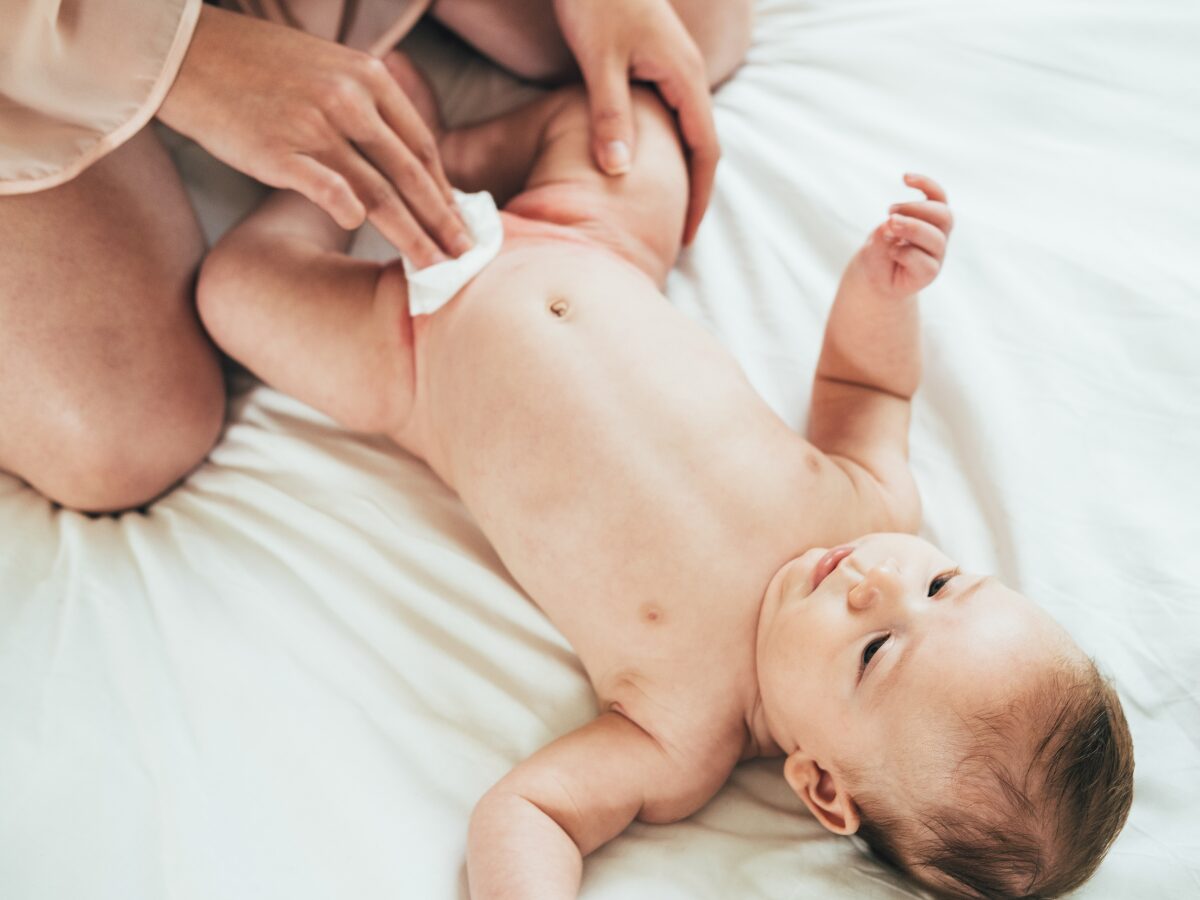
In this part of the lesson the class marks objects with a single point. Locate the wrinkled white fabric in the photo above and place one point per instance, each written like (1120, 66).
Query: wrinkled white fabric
(296, 675)
(430, 288)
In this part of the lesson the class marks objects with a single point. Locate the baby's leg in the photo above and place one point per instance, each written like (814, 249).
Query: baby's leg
(279, 294)
(537, 162)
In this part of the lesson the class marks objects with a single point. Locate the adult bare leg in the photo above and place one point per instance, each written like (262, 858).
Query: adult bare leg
(523, 35)
(109, 390)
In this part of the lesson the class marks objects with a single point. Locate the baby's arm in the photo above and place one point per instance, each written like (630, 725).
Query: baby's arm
(530, 832)
(870, 364)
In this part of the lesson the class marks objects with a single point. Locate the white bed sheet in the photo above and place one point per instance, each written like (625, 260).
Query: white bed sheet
(296, 674)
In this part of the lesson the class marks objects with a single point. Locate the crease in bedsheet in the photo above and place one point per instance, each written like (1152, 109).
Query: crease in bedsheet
(146, 556)
(1189, 865)
(378, 705)
(414, 618)
(241, 515)
(81, 607)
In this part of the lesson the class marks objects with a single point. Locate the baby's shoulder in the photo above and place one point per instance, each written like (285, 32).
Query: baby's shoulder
(702, 757)
(702, 737)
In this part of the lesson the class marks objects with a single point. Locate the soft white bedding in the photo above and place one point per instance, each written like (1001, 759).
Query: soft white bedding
(296, 674)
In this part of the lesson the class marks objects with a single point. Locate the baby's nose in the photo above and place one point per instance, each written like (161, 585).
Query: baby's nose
(880, 582)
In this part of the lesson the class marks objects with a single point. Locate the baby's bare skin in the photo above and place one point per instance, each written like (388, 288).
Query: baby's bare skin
(615, 491)
(629, 476)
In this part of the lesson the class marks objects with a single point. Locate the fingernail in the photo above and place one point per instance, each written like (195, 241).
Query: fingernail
(616, 157)
(893, 207)
(461, 245)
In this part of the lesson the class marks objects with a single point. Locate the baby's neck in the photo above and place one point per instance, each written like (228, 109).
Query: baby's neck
(759, 741)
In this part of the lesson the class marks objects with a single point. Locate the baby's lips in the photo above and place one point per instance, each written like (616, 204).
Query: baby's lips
(828, 563)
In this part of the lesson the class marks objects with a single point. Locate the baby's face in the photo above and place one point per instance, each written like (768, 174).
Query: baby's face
(869, 653)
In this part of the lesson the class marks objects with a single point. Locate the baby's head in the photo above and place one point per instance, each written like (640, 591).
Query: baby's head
(945, 719)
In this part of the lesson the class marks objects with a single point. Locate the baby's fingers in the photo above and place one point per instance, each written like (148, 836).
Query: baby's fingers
(936, 214)
(919, 266)
(927, 186)
(918, 233)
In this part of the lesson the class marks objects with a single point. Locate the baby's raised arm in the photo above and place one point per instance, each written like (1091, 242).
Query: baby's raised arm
(870, 363)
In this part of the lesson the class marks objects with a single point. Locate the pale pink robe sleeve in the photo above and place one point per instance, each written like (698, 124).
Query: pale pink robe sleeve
(80, 77)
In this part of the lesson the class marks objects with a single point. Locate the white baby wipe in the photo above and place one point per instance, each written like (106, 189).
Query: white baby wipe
(429, 289)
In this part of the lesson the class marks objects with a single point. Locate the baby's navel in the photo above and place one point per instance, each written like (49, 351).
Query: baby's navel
(559, 307)
(651, 614)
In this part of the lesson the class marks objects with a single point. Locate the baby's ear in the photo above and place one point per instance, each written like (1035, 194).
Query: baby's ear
(823, 793)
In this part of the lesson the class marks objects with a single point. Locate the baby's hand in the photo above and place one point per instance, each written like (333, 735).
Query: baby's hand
(904, 254)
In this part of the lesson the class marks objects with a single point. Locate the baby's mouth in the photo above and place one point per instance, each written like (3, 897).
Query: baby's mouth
(828, 563)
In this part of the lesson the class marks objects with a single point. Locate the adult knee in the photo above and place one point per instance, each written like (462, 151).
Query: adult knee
(111, 460)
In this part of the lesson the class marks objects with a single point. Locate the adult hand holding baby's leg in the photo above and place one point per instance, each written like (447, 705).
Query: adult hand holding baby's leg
(904, 254)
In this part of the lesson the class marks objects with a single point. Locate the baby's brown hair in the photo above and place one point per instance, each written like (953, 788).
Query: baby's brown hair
(1041, 793)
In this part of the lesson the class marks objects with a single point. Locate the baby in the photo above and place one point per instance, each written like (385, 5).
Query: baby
(733, 590)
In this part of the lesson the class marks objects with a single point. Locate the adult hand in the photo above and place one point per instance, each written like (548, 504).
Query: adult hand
(615, 40)
(298, 112)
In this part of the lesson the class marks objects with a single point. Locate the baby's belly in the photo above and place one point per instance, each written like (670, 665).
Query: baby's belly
(611, 450)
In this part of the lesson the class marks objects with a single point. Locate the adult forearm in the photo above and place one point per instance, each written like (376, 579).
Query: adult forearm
(517, 852)
(871, 340)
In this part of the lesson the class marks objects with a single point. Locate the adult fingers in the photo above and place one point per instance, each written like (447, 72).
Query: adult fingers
(385, 209)
(611, 115)
(412, 182)
(399, 113)
(921, 234)
(705, 153)
(685, 89)
(324, 187)
(936, 214)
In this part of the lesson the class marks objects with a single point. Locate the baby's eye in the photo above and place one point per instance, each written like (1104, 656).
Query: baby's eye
(935, 586)
(870, 650)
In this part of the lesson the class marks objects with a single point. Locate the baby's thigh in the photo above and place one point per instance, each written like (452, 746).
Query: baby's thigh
(639, 214)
